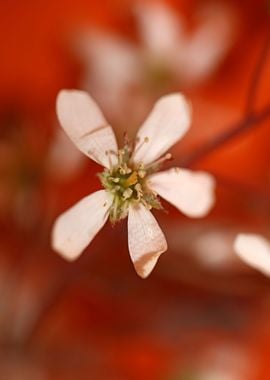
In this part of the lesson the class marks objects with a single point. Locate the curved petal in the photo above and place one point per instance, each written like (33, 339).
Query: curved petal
(190, 192)
(86, 126)
(77, 227)
(146, 241)
(254, 250)
(167, 123)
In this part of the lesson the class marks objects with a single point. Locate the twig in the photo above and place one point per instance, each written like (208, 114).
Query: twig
(212, 145)
(255, 80)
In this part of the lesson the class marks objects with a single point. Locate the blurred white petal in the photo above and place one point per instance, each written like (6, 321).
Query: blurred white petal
(190, 192)
(64, 159)
(204, 50)
(167, 123)
(112, 69)
(77, 227)
(86, 126)
(159, 27)
(254, 250)
(224, 361)
(146, 241)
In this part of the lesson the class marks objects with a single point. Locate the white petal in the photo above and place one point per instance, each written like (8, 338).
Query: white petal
(190, 192)
(146, 241)
(86, 126)
(167, 123)
(113, 74)
(159, 26)
(205, 49)
(254, 250)
(77, 227)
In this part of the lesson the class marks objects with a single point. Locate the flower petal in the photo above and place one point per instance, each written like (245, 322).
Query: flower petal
(77, 227)
(190, 192)
(254, 250)
(146, 241)
(86, 126)
(160, 28)
(167, 123)
(205, 49)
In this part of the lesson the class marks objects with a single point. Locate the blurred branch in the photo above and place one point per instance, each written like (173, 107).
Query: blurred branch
(255, 80)
(251, 119)
(212, 145)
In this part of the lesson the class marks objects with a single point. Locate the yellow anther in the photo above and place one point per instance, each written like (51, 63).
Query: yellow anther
(132, 179)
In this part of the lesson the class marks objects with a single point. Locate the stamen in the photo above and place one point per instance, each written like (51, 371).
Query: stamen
(114, 179)
(127, 193)
(141, 173)
(109, 153)
(139, 190)
(137, 147)
(126, 139)
(168, 156)
(115, 189)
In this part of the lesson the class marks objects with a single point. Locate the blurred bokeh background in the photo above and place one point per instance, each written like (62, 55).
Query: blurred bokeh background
(202, 314)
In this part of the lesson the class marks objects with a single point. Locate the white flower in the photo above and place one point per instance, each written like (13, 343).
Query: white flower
(190, 57)
(167, 54)
(254, 250)
(131, 186)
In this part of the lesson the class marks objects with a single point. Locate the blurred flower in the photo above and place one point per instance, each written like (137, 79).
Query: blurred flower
(209, 245)
(131, 187)
(63, 161)
(122, 75)
(112, 71)
(188, 57)
(224, 362)
(254, 250)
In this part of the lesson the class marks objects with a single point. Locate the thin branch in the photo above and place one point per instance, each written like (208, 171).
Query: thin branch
(212, 145)
(255, 80)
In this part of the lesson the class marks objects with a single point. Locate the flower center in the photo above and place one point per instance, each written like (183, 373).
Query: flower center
(127, 183)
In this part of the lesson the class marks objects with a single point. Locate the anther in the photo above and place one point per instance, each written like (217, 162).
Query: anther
(127, 193)
(139, 145)
(168, 156)
(139, 190)
(114, 179)
(141, 173)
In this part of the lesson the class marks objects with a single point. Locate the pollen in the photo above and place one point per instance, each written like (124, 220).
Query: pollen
(132, 179)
